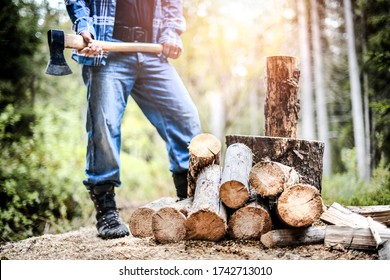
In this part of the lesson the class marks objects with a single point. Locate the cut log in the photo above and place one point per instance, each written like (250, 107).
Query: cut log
(270, 178)
(141, 219)
(305, 156)
(379, 213)
(250, 221)
(204, 149)
(300, 206)
(207, 217)
(168, 223)
(293, 237)
(234, 191)
(339, 215)
(282, 107)
(354, 238)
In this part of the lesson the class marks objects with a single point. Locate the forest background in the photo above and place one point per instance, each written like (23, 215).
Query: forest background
(343, 48)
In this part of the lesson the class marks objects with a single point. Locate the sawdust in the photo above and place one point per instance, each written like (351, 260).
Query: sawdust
(84, 244)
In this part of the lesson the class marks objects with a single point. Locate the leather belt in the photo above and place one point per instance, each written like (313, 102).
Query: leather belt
(132, 34)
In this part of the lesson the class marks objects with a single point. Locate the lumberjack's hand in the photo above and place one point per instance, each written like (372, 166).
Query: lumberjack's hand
(171, 51)
(92, 48)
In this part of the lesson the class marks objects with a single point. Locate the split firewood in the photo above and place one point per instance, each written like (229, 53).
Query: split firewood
(250, 221)
(168, 223)
(300, 205)
(339, 215)
(204, 149)
(305, 156)
(141, 219)
(293, 237)
(379, 213)
(270, 178)
(234, 191)
(207, 217)
(354, 238)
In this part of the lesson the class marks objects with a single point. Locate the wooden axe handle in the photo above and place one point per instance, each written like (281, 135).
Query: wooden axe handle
(77, 42)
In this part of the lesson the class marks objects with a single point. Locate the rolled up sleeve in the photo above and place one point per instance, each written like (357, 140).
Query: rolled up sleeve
(173, 23)
(79, 13)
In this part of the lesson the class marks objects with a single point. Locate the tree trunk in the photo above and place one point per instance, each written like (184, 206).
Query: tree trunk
(270, 178)
(204, 149)
(306, 89)
(282, 102)
(299, 206)
(320, 92)
(141, 219)
(304, 156)
(234, 190)
(293, 237)
(356, 96)
(354, 238)
(168, 223)
(207, 217)
(250, 221)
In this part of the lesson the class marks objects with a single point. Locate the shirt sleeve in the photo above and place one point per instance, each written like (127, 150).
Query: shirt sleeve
(79, 13)
(173, 24)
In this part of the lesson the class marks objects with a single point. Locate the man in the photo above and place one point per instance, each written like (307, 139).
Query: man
(149, 79)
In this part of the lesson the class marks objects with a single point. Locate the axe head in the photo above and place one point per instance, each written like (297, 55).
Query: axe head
(57, 64)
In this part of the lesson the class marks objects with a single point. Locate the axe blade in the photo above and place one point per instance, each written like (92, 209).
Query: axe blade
(57, 65)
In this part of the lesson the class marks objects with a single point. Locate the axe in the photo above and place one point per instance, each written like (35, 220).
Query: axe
(58, 41)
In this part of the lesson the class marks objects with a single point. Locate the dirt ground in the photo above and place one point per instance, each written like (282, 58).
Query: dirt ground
(83, 244)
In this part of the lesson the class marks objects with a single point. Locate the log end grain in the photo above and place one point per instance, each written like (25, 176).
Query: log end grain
(300, 205)
(168, 225)
(267, 179)
(234, 194)
(205, 225)
(205, 146)
(141, 222)
(249, 223)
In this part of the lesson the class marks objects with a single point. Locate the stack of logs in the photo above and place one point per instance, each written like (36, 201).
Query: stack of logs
(243, 199)
(269, 187)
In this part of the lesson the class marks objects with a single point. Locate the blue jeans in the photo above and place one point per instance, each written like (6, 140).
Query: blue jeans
(160, 93)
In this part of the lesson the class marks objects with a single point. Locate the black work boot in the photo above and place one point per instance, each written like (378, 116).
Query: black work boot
(109, 224)
(181, 184)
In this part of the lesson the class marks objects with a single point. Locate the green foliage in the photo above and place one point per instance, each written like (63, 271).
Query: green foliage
(347, 189)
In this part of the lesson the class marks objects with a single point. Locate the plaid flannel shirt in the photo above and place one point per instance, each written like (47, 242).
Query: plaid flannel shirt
(98, 17)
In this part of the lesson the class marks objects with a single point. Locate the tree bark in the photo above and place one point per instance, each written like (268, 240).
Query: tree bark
(299, 206)
(293, 237)
(282, 102)
(168, 223)
(205, 150)
(141, 219)
(207, 217)
(270, 178)
(234, 190)
(305, 156)
(250, 221)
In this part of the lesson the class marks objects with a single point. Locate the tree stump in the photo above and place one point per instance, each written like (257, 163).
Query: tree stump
(300, 205)
(250, 221)
(207, 217)
(305, 156)
(204, 149)
(270, 178)
(281, 99)
(168, 223)
(234, 191)
(141, 219)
